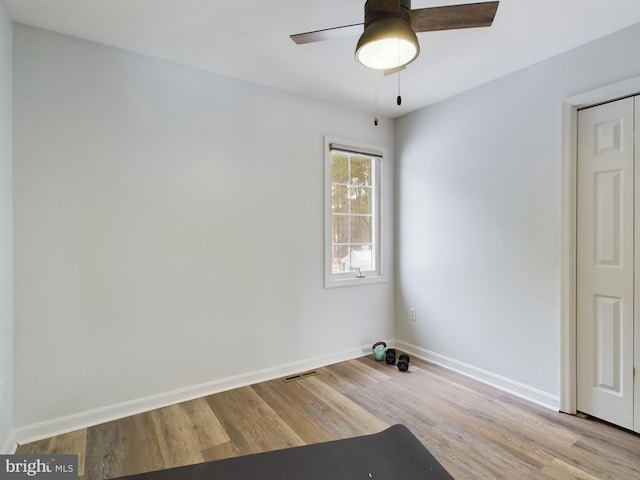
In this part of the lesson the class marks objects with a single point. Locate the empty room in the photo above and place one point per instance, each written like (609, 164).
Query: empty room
(250, 240)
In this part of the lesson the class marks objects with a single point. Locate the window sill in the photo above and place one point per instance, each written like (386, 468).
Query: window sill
(353, 281)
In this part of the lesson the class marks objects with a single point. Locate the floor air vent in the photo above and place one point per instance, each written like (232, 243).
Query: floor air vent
(299, 376)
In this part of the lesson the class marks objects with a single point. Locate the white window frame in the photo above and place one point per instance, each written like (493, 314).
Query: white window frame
(350, 278)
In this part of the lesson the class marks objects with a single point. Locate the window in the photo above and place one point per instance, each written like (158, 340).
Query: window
(352, 245)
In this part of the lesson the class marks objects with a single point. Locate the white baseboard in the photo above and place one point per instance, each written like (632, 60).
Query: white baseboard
(58, 426)
(502, 383)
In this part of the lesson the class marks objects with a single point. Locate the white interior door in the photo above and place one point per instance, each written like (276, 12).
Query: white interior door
(605, 262)
(636, 403)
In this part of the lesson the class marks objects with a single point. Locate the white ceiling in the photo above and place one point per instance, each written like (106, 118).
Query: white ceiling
(249, 39)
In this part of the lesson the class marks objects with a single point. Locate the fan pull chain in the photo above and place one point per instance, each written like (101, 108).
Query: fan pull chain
(399, 98)
(375, 100)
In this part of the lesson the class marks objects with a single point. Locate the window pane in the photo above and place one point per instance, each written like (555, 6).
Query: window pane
(362, 258)
(339, 168)
(339, 199)
(361, 171)
(340, 229)
(340, 259)
(361, 200)
(361, 230)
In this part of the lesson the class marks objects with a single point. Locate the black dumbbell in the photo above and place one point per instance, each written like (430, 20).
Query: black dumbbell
(403, 362)
(390, 357)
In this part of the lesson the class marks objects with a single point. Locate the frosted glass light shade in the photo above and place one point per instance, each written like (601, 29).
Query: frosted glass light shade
(387, 43)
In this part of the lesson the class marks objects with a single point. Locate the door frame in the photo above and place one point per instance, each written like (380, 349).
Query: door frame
(568, 267)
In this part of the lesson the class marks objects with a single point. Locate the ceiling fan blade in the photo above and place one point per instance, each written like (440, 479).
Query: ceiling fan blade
(452, 17)
(329, 34)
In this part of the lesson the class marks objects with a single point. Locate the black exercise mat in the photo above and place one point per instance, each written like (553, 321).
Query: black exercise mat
(391, 454)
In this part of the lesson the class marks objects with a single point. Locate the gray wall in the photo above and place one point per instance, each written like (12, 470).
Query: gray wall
(6, 230)
(169, 231)
(479, 216)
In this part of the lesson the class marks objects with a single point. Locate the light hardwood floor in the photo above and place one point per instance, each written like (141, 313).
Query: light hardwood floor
(475, 431)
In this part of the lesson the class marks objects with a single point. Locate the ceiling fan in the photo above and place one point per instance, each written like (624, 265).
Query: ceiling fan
(388, 38)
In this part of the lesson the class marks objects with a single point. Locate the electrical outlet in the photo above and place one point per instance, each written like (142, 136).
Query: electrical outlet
(412, 314)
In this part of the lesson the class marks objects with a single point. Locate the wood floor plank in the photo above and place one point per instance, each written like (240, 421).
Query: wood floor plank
(177, 442)
(73, 443)
(333, 376)
(487, 460)
(605, 462)
(107, 450)
(339, 415)
(484, 405)
(474, 430)
(561, 470)
(362, 374)
(219, 452)
(291, 401)
(143, 448)
(397, 401)
(181, 432)
(202, 424)
(251, 423)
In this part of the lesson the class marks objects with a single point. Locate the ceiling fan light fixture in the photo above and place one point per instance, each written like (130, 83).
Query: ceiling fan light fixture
(387, 43)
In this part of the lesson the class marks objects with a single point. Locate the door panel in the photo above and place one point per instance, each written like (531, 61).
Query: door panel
(605, 262)
(608, 361)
